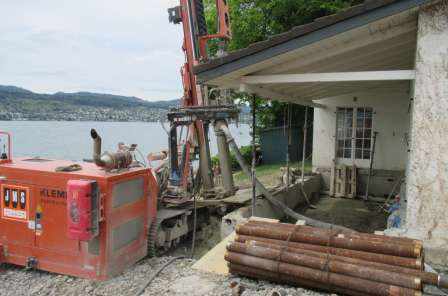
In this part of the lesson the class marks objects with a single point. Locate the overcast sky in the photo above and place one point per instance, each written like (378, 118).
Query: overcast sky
(125, 47)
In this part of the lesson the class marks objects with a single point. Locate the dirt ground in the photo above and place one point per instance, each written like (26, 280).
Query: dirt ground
(352, 213)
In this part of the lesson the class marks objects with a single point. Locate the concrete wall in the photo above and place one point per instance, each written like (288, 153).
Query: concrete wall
(427, 182)
(291, 197)
(391, 119)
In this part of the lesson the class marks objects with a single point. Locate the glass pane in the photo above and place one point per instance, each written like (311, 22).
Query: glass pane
(359, 143)
(366, 154)
(368, 133)
(368, 123)
(358, 154)
(348, 121)
(349, 133)
(367, 143)
(368, 113)
(347, 153)
(349, 113)
(348, 143)
(360, 122)
(340, 144)
(359, 134)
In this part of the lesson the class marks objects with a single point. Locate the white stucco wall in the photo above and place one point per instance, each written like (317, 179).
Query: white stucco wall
(390, 120)
(427, 182)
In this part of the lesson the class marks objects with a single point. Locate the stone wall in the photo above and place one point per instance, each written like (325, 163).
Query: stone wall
(427, 183)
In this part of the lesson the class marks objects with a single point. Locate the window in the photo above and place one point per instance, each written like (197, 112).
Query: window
(354, 132)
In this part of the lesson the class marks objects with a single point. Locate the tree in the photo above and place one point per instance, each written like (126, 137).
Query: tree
(255, 20)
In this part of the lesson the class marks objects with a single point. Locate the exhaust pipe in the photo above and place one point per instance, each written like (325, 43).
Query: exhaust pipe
(97, 148)
(109, 161)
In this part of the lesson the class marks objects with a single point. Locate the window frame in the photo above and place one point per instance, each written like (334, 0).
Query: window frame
(354, 153)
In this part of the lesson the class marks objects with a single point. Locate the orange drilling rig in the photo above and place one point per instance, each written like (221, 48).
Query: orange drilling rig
(93, 219)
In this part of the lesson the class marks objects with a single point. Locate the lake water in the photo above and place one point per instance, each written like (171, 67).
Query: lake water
(71, 140)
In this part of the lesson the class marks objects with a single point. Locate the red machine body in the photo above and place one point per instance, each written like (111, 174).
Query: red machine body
(57, 225)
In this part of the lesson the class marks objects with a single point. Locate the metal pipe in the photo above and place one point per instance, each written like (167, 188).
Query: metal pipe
(327, 240)
(288, 211)
(372, 155)
(174, 177)
(288, 149)
(97, 148)
(204, 156)
(324, 277)
(328, 263)
(225, 162)
(287, 279)
(254, 155)
(371, 257)
(305, 134)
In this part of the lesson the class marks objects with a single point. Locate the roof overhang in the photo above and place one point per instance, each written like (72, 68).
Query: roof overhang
(378, 46)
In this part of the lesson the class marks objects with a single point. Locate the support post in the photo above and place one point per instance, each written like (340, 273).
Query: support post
(224, 159)
(305, 137)
(288, 151)
(254, 156)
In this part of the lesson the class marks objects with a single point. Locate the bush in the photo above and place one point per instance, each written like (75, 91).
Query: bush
(246, 151)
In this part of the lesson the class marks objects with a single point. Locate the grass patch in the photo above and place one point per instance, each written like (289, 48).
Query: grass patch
(268, 174)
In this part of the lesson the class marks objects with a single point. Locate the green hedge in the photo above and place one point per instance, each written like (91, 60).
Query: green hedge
(246, 151)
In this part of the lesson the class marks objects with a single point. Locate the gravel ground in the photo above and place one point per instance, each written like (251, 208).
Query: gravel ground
(177, 279)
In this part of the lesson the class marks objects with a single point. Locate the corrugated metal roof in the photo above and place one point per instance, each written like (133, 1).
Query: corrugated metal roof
(297, 32)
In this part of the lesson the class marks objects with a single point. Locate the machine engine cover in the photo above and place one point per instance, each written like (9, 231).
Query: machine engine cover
(82, 209)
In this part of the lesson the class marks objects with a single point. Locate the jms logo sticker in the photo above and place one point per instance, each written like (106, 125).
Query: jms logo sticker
(15, 202)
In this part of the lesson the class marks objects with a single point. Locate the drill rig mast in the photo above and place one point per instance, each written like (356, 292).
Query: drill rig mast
(190, 13)
(188, 134)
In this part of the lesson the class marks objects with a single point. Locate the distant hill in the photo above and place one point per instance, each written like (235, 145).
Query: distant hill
(20, 104)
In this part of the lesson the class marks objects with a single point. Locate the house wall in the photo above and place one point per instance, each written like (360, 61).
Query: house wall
(391, 121)
(427, 182)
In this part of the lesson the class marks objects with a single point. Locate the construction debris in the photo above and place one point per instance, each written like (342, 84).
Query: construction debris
(351, 264)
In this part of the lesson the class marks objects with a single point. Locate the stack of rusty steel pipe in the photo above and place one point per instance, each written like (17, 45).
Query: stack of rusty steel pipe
(348, 263)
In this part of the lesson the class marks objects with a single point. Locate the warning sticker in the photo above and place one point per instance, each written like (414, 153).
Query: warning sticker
(31, 224)
(16, 214)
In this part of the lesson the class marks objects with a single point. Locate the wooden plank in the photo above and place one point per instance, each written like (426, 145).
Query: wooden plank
(214, 261)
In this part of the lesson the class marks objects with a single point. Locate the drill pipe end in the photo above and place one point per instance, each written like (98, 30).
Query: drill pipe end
(442, 281)
(418, 250)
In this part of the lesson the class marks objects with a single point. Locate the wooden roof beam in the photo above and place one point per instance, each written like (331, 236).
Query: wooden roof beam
(268, 94)
(330, 77)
